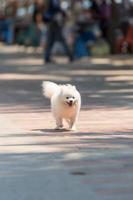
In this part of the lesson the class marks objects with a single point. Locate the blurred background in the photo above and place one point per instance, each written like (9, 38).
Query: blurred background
(78, 28)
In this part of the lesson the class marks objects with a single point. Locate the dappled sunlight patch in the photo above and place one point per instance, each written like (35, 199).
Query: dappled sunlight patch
(75, 156)
(28, 149)
(125, 63)
(17, 76)
(9, 49)
(94, 72)
(105, 119)
(21, 61)
(100, 61)
(127, 90)
(116, 61)
(128, 78)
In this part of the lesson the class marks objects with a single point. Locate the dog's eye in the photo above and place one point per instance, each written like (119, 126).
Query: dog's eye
(67, 97)
(73, 97)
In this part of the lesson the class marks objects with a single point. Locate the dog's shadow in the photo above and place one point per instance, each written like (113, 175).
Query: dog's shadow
(48, 131)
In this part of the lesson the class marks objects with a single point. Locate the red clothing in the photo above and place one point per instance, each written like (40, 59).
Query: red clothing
(125, 39)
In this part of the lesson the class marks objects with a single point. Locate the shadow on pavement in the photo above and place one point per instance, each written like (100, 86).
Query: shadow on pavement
(101, 81)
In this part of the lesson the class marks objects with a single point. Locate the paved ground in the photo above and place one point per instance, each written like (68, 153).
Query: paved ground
(37, 163)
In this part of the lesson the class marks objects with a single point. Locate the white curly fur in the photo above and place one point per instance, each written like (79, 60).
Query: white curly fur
(65, 103)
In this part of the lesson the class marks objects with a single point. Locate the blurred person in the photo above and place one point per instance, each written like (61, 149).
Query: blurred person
(84, 34)
(2, 18)
(105, 17)
(7, 22)
(95, 8)
(124, 44)
(35, 35)
(55, 18)
(37, 31)
(38, 7)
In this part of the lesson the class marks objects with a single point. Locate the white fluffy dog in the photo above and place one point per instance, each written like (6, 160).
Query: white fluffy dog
(65, 103)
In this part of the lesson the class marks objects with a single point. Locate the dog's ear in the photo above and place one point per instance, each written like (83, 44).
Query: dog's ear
(74, 87)
(71, 86)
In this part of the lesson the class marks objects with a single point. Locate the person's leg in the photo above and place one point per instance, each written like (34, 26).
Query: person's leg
(9, 31)
(49, 45)
(50, 42)
(66, 48)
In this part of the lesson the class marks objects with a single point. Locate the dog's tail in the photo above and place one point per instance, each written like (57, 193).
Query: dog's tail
(49, 88)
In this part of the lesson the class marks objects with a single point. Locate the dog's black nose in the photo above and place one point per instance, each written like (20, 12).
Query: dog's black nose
(70, 103)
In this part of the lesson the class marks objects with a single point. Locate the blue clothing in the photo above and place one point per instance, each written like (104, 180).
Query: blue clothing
(80, 46)
(7, 30)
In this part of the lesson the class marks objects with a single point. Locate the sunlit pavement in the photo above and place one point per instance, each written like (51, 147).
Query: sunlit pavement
(38, 163)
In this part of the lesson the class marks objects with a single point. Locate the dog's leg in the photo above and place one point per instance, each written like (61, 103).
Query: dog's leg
(59, 124)
(72, 124)
(74, 119)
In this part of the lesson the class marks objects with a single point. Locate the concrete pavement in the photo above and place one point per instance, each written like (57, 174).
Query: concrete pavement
(38, 163)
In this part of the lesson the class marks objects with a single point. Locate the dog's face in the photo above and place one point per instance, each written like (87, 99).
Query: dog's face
(69, 97)
(70, 100)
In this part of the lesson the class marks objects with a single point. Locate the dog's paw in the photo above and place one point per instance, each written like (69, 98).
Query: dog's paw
(58, 127)
(73, 128)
